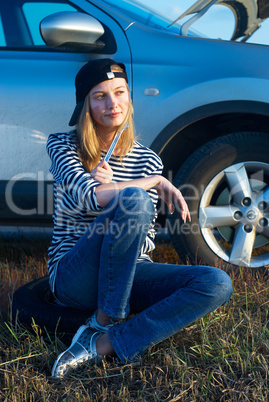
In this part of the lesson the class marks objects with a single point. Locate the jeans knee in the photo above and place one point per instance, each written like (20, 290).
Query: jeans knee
(224, 286)
(213, 283)
(138, 201)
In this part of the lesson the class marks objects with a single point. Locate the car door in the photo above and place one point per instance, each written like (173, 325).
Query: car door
(37, 97)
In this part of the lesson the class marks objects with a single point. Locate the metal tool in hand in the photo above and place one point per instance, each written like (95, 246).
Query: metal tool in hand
(114, 142)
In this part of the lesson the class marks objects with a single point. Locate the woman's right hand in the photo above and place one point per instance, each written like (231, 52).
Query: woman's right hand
(170, 195)
(102, 173)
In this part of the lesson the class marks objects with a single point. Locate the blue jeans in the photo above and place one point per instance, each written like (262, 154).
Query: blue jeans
(103, 270)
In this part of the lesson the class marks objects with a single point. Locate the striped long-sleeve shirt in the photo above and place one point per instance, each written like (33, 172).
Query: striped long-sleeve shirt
(75, 202)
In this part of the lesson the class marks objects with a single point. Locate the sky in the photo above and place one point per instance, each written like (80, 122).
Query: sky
(218, 22)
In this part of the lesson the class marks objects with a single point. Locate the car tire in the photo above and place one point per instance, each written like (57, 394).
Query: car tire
(225, 184)
(34, 301)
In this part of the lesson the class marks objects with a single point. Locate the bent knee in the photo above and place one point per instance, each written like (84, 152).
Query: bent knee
(138, 198)
(214, 283)
(223, 285)
(136, 192)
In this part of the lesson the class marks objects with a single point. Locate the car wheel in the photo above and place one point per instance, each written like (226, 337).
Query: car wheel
(226, 186)
(35, 301)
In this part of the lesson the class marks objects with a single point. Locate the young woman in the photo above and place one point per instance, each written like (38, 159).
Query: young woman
(104, 228)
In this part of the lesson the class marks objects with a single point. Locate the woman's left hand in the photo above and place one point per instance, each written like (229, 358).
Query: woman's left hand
(171, 195)
(102, 173)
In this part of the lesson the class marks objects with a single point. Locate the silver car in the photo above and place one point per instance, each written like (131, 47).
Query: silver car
(201, 104)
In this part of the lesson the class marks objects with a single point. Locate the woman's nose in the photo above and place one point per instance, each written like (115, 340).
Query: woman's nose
(111, 101)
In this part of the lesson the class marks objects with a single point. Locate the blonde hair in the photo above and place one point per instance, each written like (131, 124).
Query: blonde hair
(89, 144)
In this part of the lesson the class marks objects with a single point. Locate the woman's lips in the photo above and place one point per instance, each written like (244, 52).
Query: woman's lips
(114, 115)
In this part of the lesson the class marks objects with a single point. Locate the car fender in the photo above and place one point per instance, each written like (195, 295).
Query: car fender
(165, 111)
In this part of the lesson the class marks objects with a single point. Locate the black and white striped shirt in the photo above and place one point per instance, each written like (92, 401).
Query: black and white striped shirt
(75, 202)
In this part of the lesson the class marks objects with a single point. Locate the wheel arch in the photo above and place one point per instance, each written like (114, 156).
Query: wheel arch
(196, 127)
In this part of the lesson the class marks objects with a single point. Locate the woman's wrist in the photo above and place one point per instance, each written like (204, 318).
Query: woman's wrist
(159, 180)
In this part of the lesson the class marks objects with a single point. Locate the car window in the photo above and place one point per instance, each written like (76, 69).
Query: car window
(2, 36)
(19, 23)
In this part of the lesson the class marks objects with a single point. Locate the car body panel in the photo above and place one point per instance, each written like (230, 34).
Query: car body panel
(183, 84)
(170, 76)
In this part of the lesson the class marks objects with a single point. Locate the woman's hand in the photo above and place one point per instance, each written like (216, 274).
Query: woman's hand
(102, 173)
(169, 194)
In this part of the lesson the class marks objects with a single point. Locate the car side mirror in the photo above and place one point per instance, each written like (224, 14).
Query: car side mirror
(72, 31)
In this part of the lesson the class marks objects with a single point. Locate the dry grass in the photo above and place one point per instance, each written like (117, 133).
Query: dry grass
(223, 357)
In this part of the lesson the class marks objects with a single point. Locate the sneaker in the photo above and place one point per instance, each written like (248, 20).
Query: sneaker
(81, 350)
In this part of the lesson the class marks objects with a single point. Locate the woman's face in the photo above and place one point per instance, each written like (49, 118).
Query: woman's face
(109, 102)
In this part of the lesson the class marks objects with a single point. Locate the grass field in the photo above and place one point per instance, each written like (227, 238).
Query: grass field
(223, 357)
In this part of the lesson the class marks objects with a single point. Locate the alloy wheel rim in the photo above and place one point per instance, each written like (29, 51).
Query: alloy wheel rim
(234, 214)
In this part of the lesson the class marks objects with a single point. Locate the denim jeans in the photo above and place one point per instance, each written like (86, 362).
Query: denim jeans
(103, 270)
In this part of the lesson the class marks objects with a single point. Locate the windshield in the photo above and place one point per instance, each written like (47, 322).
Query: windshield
(148, 16)
(238, 20)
